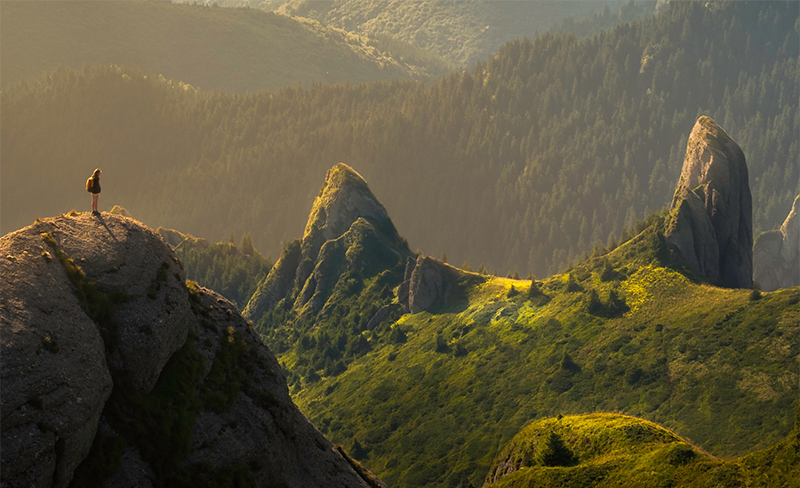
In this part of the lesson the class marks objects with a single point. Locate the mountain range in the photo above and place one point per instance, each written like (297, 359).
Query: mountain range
(210, 48)
(486, 156)
(123, 373)
(647, 353)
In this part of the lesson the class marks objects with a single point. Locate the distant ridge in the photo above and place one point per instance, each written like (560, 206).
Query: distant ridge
(211, 48)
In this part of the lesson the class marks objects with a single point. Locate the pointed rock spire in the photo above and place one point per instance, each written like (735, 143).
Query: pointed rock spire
(347, 228)
(711, 215)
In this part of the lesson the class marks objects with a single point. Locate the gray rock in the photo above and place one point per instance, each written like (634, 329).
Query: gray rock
(276, 285)
(263, 427)
(171, 236)
(776, 254)
(344, 198)
(54, 376)
(347, 229)
(382, 313)
(711, 218)
(432, 283)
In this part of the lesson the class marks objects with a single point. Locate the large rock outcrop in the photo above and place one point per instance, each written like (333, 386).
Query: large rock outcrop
(776, 254)
(711, 215)
(348, 229)
(114, 373)
(429, 282)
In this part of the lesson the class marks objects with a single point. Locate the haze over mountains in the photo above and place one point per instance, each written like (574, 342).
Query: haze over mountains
(462, 32)
(235, 50)
(488, 156)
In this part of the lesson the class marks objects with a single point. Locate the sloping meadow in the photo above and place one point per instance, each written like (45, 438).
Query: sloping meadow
(623, 332)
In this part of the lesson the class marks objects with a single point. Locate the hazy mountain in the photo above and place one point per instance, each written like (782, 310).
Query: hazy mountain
(118, 373)
(462, 31)
(554, 146)
(211, 48)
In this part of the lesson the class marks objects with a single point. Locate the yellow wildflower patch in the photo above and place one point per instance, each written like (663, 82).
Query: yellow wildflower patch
(640, 287)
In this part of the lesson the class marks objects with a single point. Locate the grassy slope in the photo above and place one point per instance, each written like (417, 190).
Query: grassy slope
(617, 450)
(710, 363)
(209, 47)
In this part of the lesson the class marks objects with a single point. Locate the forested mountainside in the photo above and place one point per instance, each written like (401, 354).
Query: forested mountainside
(232, 271)
(524, 163)
(235, 50)
(463, 31)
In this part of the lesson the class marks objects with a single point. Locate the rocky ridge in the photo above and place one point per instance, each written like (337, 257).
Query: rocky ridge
(776, 254)
(710, 220)
(115, 373)
(347, 229)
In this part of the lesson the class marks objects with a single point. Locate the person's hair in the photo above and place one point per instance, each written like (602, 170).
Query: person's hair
(96, 173)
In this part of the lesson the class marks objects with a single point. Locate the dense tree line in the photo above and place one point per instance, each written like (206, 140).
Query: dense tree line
(461, 31)
(231, 271)
(524, 162)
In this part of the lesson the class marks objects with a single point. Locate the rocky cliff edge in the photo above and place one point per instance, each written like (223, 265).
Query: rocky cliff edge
(116, 373)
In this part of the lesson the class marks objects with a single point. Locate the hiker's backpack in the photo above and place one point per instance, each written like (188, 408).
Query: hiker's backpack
(90, 184)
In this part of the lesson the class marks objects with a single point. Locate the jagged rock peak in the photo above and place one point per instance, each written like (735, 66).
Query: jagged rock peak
(776, 254)
(344, 197)
(711, 214)
(347, 228)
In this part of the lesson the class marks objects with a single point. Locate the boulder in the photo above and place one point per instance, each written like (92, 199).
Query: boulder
(776, 254)
(432, 283)
(710, 222)
(171, 236)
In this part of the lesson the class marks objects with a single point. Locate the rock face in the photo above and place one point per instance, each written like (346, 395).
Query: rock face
(711, 216)
(348, 229)
(776, 254)
(108, 359)
(431, 283)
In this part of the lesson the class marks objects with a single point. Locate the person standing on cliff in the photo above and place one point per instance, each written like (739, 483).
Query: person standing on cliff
(93, 187)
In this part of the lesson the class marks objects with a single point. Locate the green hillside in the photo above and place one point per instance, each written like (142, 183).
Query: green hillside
(235, 50)
(601, 450)
(523, 163)
(626, 332)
